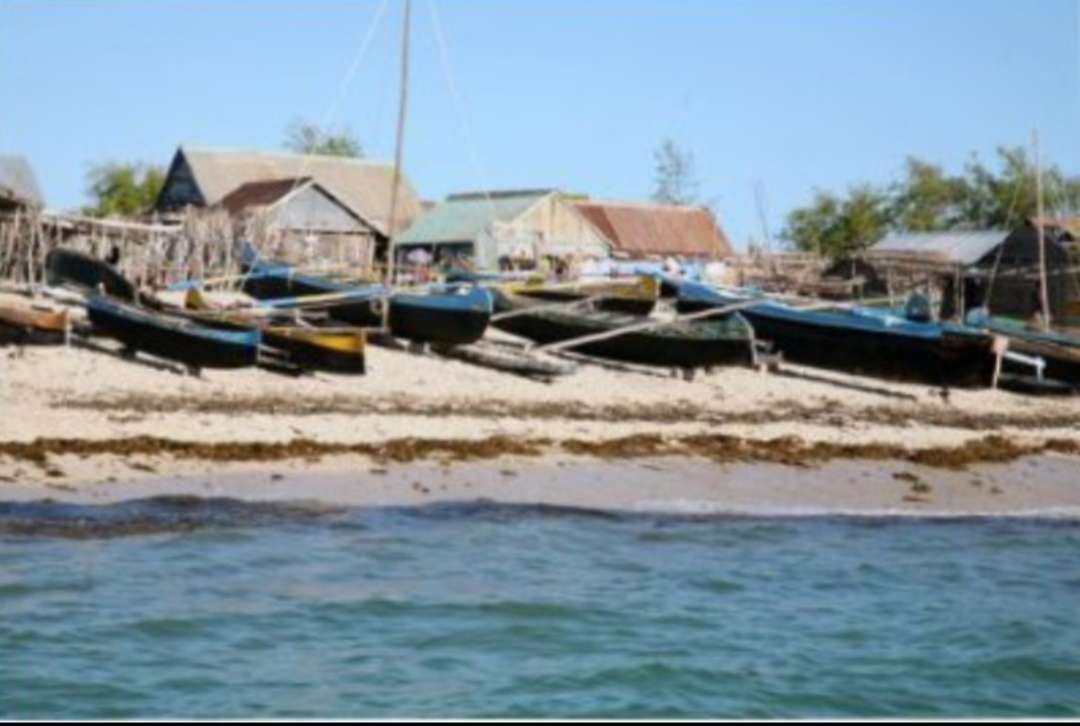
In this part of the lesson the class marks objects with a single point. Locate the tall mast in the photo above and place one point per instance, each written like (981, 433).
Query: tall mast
(1044, 298)
(399, 150)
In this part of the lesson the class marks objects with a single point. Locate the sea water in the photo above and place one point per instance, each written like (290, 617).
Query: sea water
(221, 609)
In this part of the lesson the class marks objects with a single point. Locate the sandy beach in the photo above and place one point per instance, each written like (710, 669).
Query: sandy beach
(85, 426)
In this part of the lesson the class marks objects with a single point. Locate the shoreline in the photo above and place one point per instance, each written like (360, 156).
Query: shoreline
(1042, 486)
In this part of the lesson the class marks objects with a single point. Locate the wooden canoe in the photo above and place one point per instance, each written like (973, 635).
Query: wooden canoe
(30, 320)
(864, 341)
(686, 345)
(186, 341)
(334, 350)
(634, 296)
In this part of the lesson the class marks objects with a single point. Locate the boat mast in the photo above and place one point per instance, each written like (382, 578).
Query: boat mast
(399, 149)
(1043, 293)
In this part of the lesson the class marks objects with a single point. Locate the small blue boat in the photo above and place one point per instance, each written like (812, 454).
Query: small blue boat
(859, 340)
(179, 339)
(445, 315)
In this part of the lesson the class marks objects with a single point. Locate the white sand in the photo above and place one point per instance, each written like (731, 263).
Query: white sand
(80, 394)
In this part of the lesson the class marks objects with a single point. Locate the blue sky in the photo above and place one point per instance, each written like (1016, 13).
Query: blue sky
(782, 95)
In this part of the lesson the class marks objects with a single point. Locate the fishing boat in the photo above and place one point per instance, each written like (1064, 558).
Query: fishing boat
(633, 296)
(444, 316)
(684, 345)
(1060, 352)
(186, 341)
(26, 319)
(857, 339)
(87, 273)
(333, 350)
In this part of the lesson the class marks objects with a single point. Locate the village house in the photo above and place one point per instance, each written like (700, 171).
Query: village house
(522, 229)
(968, 269)
(644, 231)
(305, 206)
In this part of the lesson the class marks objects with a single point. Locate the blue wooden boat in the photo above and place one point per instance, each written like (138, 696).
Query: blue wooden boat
(87, 273)
(859, 340)
(179, 339)
(445, 315)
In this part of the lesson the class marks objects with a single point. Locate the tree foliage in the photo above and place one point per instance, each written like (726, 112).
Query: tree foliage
(676, 178)
(307, 138)
(927, 199)
(123, 189)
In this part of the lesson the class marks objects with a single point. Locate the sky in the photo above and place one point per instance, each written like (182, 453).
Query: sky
(774, 98)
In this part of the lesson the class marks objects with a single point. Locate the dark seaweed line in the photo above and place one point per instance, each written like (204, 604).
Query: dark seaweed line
(724, 449)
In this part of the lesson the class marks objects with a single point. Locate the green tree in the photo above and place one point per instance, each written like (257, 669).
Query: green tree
(927, 200)
(307, 138)
(836, 227)
(123, 189)
(676, 178)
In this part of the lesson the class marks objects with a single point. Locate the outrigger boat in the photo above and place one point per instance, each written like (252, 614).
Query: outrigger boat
(448, 315)
(173, 338)
(334, 350)
(683, 345)
(859, 339)
(633, 296)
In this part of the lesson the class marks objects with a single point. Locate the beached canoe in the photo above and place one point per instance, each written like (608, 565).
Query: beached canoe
(686, 345)
(86, 273)
(174, 338)
(334, 350)
(633, 296)
(444, 316)
(25, 319)
(859, 340)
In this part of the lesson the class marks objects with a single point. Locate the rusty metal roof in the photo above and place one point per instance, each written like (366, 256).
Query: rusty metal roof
(654, 229)
(364, 186)
(261, 194)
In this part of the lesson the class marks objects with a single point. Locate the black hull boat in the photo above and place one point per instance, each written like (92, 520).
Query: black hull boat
(862, 341)
(443, 317)
(75, 269)
(173, 338)
(707, 343)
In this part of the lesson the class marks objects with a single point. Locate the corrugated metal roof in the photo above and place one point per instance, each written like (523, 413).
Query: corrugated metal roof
(365, 186)
(464, 217)
(655, 229)
(964, 248)
(18, 183)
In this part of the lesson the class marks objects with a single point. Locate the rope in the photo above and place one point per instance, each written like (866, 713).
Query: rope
(459, 104)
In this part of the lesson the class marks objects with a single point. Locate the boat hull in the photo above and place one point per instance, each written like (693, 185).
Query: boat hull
(70, 267)
(323, 350)
(184, 341)
(443, 319)
(954, 360)
(696, 349)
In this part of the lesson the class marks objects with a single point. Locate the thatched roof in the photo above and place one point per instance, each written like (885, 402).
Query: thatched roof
(365, 186)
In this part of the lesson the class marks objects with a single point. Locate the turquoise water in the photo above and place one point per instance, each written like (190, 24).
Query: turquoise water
(219, 609)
